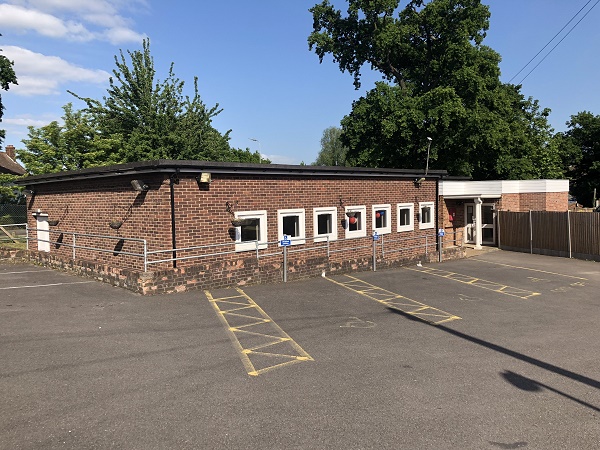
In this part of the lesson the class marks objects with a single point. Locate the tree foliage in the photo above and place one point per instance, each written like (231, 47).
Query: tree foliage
(154, 119)
(76, 144)
(441, 82)
(333, 152)
(7, 77)
(580, 146)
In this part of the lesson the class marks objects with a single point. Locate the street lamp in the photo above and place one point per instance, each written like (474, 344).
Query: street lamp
(428, 147)
(259, 149)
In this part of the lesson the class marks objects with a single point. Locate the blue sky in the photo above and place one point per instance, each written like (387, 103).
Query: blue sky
(252, 58)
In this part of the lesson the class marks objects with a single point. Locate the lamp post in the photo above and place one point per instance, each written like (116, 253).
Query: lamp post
(259, 150)
(428, 147)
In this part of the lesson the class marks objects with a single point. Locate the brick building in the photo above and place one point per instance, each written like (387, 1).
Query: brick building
(472, 206)
(165, 226)
(8, 162)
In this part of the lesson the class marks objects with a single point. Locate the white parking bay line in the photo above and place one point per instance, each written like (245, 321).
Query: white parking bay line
(45, 285)
(26, 271)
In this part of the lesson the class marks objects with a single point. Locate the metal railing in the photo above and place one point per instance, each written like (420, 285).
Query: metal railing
(382, 245)
(74, 246)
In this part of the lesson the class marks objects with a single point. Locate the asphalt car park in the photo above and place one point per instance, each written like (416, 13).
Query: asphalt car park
(497, 351)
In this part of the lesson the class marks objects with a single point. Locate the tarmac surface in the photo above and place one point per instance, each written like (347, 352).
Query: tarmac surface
(497, 351)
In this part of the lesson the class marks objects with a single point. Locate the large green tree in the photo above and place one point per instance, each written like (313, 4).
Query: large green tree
(440, 82)
(581, 145)
(154, 119)
(333, 152)
(7, 77)
(76, 144)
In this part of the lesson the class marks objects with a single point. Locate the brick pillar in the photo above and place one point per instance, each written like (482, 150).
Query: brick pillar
(10, 151)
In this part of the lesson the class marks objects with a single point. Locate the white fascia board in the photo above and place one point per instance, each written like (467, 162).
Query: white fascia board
(531, 186)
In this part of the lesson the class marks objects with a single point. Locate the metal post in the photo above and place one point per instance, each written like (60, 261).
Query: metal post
(256, 242)
(426, 244)
(440, 243)
(145, 256)
(74, 243)
(285, 264)
(327, 247)
(27, 236)
(374, 255)
(382, 247)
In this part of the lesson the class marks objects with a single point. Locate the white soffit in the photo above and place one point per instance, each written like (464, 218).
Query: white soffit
(495, 188)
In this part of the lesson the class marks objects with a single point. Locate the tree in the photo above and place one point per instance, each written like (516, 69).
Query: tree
(153, 119)
(581, 146)
(75, 145)
(333, 152)
(7, 77)
(441, 82)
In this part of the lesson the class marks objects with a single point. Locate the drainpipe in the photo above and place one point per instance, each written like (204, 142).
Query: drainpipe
(173, 180)
(437, 215)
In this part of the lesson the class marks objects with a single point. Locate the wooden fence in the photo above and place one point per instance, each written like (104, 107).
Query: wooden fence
(571, 235)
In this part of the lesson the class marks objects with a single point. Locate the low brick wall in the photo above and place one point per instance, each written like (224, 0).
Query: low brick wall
(215, 274)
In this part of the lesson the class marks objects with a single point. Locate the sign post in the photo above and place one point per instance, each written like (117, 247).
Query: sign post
(441, 234)
(285, 243)
(375, 239)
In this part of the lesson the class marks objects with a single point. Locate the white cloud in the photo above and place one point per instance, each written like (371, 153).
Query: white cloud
(43, 75)
(22, 19)
(27, 121)
(74, 20)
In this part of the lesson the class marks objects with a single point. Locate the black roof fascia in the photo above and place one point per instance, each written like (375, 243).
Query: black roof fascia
(174, 166)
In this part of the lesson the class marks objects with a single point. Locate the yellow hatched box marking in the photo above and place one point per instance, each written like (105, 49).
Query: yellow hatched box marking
(473, 281)
(396, 301)
(253, 333)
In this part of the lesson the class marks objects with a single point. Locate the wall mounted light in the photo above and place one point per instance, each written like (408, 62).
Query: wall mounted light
(139, 186)
(204, 177)
(418, 181)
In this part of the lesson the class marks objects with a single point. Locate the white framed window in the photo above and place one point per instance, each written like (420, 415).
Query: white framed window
(291, 223)
(252, 230)
(406, 212)
(426, 215)
(325, 224)
(382, 219)
(356, 221)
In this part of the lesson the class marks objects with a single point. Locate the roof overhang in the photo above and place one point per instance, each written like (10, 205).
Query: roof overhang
(197, 167)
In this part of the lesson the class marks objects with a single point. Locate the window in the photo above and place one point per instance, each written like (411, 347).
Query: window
(426, 215)
(252, 230)
(356, 221)
(382, 219)
(406, 212)
(290, 222)
(325, 224)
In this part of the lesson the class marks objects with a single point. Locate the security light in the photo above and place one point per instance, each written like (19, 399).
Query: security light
(139, 185)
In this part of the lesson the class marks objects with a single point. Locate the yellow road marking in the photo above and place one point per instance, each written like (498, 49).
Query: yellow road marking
(241, 336)
(407, 306)
(528, 268)
(478, 282)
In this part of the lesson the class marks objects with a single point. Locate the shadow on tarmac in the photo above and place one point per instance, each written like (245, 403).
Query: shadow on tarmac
(515, 379)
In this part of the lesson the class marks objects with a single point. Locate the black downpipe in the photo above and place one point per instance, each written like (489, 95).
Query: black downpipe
(437, 212)
(173, 180)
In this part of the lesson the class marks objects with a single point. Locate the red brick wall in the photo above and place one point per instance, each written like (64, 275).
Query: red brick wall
(535, 201)
(202, 219)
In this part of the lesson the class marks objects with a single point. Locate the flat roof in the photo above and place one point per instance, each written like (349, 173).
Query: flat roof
(180, 166)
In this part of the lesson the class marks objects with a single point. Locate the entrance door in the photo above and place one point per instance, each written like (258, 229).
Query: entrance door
(43, 235)
(470, 223)
(488, 224)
